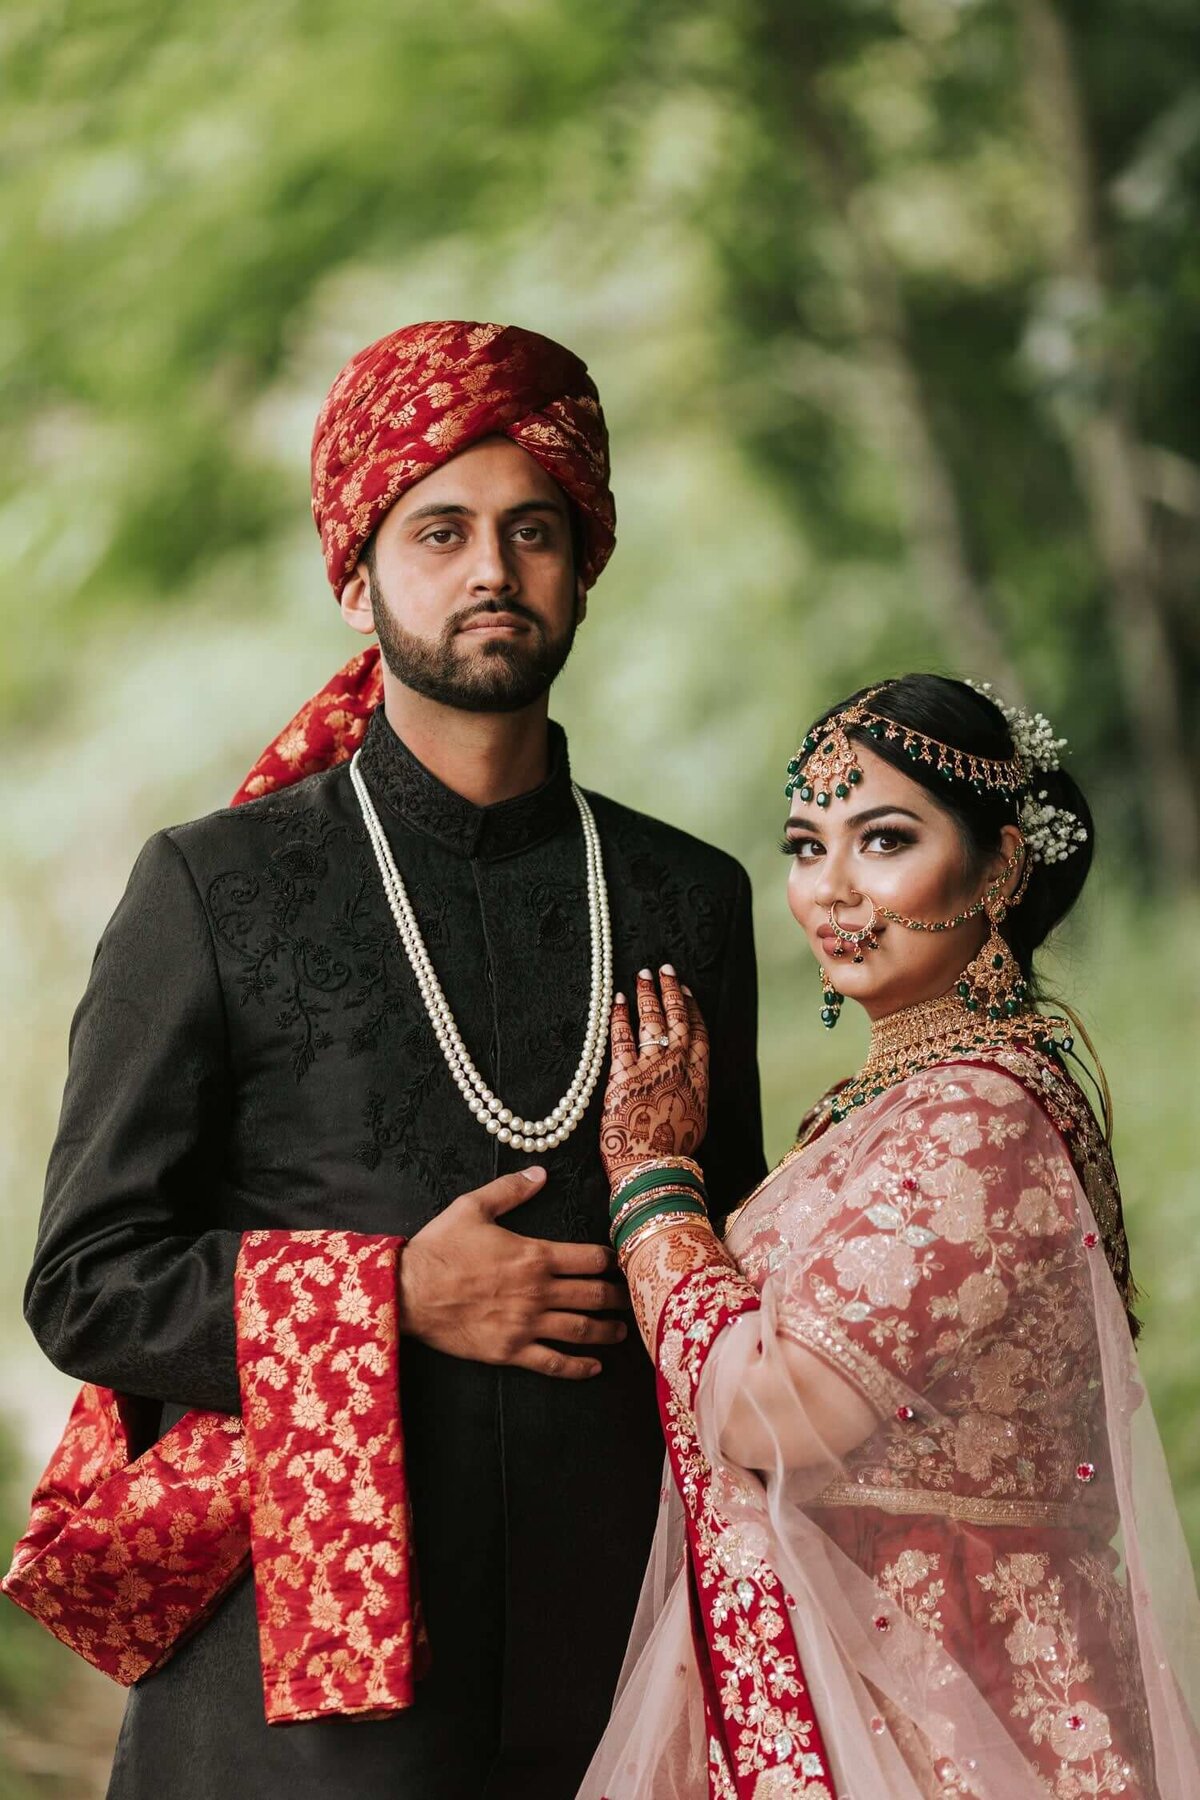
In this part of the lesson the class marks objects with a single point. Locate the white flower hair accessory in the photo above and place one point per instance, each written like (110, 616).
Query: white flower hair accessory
(1052, 832)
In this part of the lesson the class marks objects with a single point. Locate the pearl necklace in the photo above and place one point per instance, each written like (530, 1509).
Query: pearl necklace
(497, 1119)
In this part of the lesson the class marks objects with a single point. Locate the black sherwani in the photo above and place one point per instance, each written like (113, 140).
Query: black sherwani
(252, 1052)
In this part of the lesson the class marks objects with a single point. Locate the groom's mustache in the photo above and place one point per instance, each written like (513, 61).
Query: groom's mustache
(509, 609)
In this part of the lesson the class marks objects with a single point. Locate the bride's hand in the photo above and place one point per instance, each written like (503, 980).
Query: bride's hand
(657, 1098)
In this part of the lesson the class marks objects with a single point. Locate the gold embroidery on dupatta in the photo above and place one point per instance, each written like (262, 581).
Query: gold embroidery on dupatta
(910, 1583)
(1050, 1678)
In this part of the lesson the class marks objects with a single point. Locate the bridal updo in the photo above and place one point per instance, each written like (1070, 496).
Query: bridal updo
(960, 716)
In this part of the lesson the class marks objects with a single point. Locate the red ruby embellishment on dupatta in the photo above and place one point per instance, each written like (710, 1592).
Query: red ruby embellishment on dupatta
(882, 1622)
(1085, 1471)
(905, 1413)
(1090, 1240)
(1074, 1723)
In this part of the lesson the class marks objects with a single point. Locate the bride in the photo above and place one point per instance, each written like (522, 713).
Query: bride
(918, 1538)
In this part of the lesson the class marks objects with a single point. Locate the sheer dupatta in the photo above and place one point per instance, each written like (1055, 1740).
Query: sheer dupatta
(988, 1592)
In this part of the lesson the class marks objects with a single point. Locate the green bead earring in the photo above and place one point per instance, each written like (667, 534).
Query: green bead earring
(831, 1002)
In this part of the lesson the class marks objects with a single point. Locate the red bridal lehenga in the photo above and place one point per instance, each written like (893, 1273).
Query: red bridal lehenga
(990, 1596)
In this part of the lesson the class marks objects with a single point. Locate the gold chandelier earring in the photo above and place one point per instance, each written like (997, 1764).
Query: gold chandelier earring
(992, 982)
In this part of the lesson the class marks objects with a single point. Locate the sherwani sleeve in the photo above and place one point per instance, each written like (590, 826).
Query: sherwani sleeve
(732, 1154)
(132, 1285)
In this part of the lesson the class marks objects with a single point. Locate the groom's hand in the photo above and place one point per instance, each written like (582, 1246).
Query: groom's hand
(472, 1289)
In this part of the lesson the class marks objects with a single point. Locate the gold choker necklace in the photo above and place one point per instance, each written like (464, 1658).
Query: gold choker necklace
(933, 1031)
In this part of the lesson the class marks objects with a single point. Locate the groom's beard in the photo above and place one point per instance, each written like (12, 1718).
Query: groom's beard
(503, 675)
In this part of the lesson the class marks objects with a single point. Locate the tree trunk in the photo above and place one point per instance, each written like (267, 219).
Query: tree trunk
(900, 418)
(1109, 461)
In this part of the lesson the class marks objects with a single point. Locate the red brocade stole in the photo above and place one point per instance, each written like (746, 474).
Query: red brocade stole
(126, 1554)
(325, 732)
(758, 1712)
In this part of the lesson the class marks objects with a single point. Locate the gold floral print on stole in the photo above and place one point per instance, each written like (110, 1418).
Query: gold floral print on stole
(318, 1360)
(913, 1584)
(121, 1558)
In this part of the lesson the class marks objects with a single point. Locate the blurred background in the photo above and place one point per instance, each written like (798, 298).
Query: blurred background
(893, 309)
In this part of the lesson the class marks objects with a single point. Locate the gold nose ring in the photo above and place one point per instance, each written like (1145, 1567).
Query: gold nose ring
(859, 938)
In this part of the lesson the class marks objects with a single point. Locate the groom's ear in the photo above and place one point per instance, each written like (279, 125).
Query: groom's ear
(355, 600)
(581, 600)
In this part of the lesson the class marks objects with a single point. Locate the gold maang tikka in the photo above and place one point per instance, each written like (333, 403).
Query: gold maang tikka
(826, 766)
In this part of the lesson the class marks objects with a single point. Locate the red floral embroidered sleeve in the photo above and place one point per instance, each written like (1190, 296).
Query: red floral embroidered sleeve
(759, 1714)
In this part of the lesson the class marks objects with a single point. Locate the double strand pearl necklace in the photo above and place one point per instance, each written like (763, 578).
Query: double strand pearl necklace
(497, 1119)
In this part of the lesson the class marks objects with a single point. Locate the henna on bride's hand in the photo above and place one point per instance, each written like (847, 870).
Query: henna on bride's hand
(655, 1267)
(657, 1098)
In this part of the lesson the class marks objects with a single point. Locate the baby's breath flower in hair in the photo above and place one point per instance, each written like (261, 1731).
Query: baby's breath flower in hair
(1052, 832)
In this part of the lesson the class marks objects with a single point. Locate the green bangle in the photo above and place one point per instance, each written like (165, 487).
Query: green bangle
(641, 1215)
(676, 1168)
(672, 1208)
(639, 1202)
(654, 1180)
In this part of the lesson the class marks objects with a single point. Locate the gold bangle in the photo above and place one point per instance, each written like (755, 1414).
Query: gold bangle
(651, 1199)
(664, 1222)
(652, 1164)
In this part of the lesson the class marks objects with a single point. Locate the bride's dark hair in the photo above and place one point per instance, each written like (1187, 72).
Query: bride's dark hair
(958, 715)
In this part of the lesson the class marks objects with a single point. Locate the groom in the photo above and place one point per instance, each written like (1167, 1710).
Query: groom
(255, 1052)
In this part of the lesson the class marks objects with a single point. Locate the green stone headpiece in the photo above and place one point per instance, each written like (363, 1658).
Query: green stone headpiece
(826, 766)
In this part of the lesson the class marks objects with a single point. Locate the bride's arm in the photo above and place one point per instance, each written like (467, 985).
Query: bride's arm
(788, 1407)
(789, 1404)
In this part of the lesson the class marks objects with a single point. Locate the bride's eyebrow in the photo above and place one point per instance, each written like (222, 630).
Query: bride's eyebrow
(883, 812)
(799, 823)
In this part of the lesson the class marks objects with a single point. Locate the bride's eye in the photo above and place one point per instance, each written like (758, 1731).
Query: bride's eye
(805, 848)
(884, 840)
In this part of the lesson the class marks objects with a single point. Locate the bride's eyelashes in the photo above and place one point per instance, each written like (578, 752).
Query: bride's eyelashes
(886, 840)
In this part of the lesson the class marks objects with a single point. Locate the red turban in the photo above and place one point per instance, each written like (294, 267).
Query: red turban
(400, 409)
(405, 405)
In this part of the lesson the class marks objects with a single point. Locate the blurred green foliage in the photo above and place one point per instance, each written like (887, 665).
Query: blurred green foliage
(945, 270)
(893, 307)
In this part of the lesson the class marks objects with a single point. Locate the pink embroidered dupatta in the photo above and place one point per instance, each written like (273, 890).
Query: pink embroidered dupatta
(989, 1595)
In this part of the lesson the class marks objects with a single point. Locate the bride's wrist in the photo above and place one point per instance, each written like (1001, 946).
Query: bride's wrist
(631, 1168)
(654, 1191)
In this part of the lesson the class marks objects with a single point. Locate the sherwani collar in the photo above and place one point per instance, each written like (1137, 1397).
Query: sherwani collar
(401, 783)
